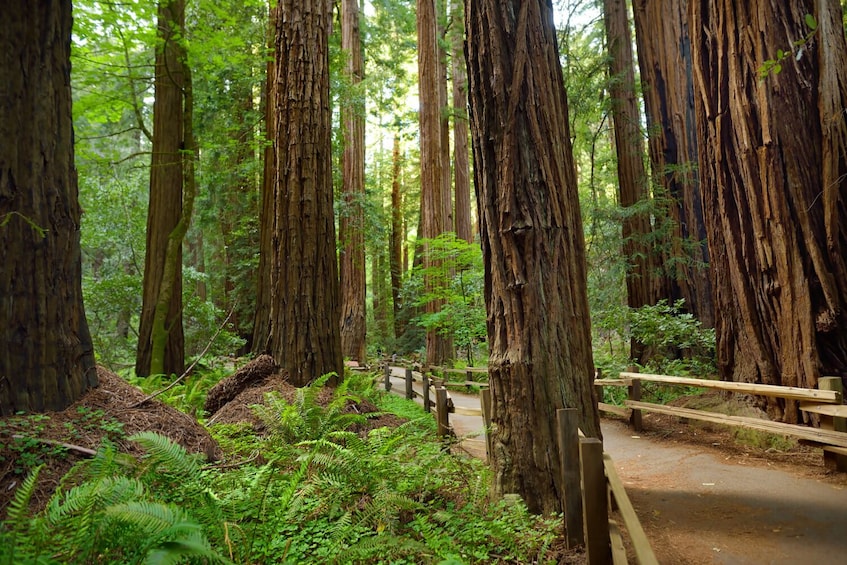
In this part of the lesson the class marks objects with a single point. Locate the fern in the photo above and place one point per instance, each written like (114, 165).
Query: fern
(165, 454)
(16, 526)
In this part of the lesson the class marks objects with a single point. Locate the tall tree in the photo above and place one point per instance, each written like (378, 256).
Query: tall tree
(629, 147)
(432, 174)
(664, 56)
(352, 220)
(165, 205)
(461, 156)
(539, 332)
(397, 236)
(773, 172)
(303, 330)
(46, 356)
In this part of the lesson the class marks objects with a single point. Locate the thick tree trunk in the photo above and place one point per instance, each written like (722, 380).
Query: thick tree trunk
(629, 148)
(398, 236)
(432, 173)
(165, 206)
(46, 355)
(539, 331)
(461, 157)
(304, 334)
(352, 220)
(773, 172)
(664, 55)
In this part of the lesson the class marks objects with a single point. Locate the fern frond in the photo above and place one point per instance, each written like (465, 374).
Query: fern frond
(18, 510)
(163, 452)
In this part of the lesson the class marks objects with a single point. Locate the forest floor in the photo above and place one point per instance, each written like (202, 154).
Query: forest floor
(706, 494)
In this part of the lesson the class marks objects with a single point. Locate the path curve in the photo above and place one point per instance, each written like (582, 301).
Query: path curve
(699, 508)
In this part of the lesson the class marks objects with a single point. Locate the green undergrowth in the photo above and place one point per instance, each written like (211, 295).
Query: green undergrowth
(308, 491)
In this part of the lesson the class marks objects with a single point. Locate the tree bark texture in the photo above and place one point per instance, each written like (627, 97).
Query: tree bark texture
(461, 151)
(166, 185)
(46, 355)
(352, 217)
(539, 331)
(304, 334)
(432, 173)
(398, 236)
(629, 148)
(773, 173)
(664, 55)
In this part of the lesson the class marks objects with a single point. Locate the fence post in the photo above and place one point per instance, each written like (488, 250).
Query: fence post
(441, 411)
(485, 405)
(598, 389)
(594, 506)
(387, 377)
(426, 392)
(634, 393)
(568, 433)
(833, 461)
(410, 392)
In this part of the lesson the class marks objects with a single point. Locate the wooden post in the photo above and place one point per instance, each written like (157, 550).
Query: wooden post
(595, 510)
(598, 389)
(833, 461)
(634, 393)
(426, 392)
(387, 378)
(568, 431)
(441, 411)
(410, 392)
(485, 405)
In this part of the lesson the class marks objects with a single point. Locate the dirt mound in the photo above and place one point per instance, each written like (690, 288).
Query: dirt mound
(59, 439)
(249, 376)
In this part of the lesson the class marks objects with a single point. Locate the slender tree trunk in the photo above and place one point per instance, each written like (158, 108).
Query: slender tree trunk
(432, 174)
(46, 355)
(773, 156)
(539, 331)
(165, 207)
(664, 55)
(261, 325)
(398, 236)
(629, 148)
(461, 157)
(304, 334)
(352, 220)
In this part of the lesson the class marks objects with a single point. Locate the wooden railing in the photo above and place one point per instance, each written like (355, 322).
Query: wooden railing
(826, 402)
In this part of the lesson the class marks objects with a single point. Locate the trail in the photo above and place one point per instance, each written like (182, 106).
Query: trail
(700, 506)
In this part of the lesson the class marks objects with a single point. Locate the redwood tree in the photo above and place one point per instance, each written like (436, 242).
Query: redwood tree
(166, 186)
(46, 356)
(352, 217)
(433, 196)
(664, 57)
(298, 230)
(539, 331)
(629, 148)
(773, 171)
(461, 156)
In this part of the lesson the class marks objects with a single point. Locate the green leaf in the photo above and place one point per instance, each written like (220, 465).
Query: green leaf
(780, 54)
(811, 22)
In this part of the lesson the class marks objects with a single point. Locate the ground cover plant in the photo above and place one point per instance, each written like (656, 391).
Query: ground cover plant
(314, 477)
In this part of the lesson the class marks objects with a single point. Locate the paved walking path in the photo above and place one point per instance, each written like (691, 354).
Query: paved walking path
(701, 507)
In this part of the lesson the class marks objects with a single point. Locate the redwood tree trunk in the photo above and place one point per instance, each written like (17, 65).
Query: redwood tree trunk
(461, 157)
(664, 55)
(166, 185)
(629, 148)
(304, 335)
(398, 236)
(352, 220)
(46, 355)
(432, 174)
(539, 331)
(773, 172)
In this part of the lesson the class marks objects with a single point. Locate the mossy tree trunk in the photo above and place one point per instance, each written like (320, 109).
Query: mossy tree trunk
(533, 248)
(165, 205)
(46, 355)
